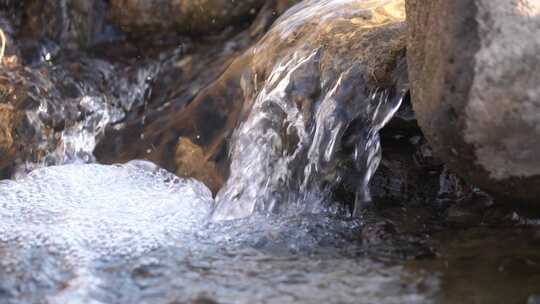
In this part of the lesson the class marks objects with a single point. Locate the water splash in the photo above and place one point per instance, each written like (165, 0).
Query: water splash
(367, 150)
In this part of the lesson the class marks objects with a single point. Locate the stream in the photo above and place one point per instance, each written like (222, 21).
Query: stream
(311, 208)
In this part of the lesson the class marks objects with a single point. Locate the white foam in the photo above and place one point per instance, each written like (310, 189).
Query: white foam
(94, 211)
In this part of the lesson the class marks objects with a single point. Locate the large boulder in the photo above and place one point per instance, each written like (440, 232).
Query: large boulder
(474, 70)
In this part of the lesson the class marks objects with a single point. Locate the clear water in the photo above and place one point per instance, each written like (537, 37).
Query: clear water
(133, 233)
(288, 149)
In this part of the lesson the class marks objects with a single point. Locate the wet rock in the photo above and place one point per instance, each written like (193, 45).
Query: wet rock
(474, 72)
(55, 114)
(192, 72)
(269, 13)
(152, 131)
(10, 22)
(141, 17)
(410, 175)
(307, 86)
(468, 212)
(14, 141)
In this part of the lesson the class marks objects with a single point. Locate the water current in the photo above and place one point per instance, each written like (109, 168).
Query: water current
(74, 231)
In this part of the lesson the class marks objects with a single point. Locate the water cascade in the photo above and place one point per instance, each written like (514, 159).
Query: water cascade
(282, 157)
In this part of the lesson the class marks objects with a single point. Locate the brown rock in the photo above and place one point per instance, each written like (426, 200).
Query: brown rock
(192, 98)
(6, 128)
(70, 23)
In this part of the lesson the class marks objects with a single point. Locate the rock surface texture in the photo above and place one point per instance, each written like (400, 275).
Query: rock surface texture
(199, 16)
(69, 23)
(474, 70)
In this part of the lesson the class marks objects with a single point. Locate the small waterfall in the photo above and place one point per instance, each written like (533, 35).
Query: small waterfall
(288, 153)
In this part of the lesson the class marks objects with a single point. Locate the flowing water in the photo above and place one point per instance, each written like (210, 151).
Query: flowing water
(137, 234)
(282, 156)
(134, 233)
(79, 96)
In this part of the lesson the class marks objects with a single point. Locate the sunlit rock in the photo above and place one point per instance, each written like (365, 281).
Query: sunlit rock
(474, 69)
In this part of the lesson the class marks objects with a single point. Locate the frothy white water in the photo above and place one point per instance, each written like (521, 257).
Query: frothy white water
(111, 210)
(94, 210)
(83, 213)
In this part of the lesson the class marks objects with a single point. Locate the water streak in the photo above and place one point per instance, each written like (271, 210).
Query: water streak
(284, 158)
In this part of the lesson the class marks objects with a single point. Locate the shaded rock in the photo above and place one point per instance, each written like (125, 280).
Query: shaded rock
(14, 142)
(152, 16)
(474, 71)
(410, 175)
(10, 22)
(70, 23)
